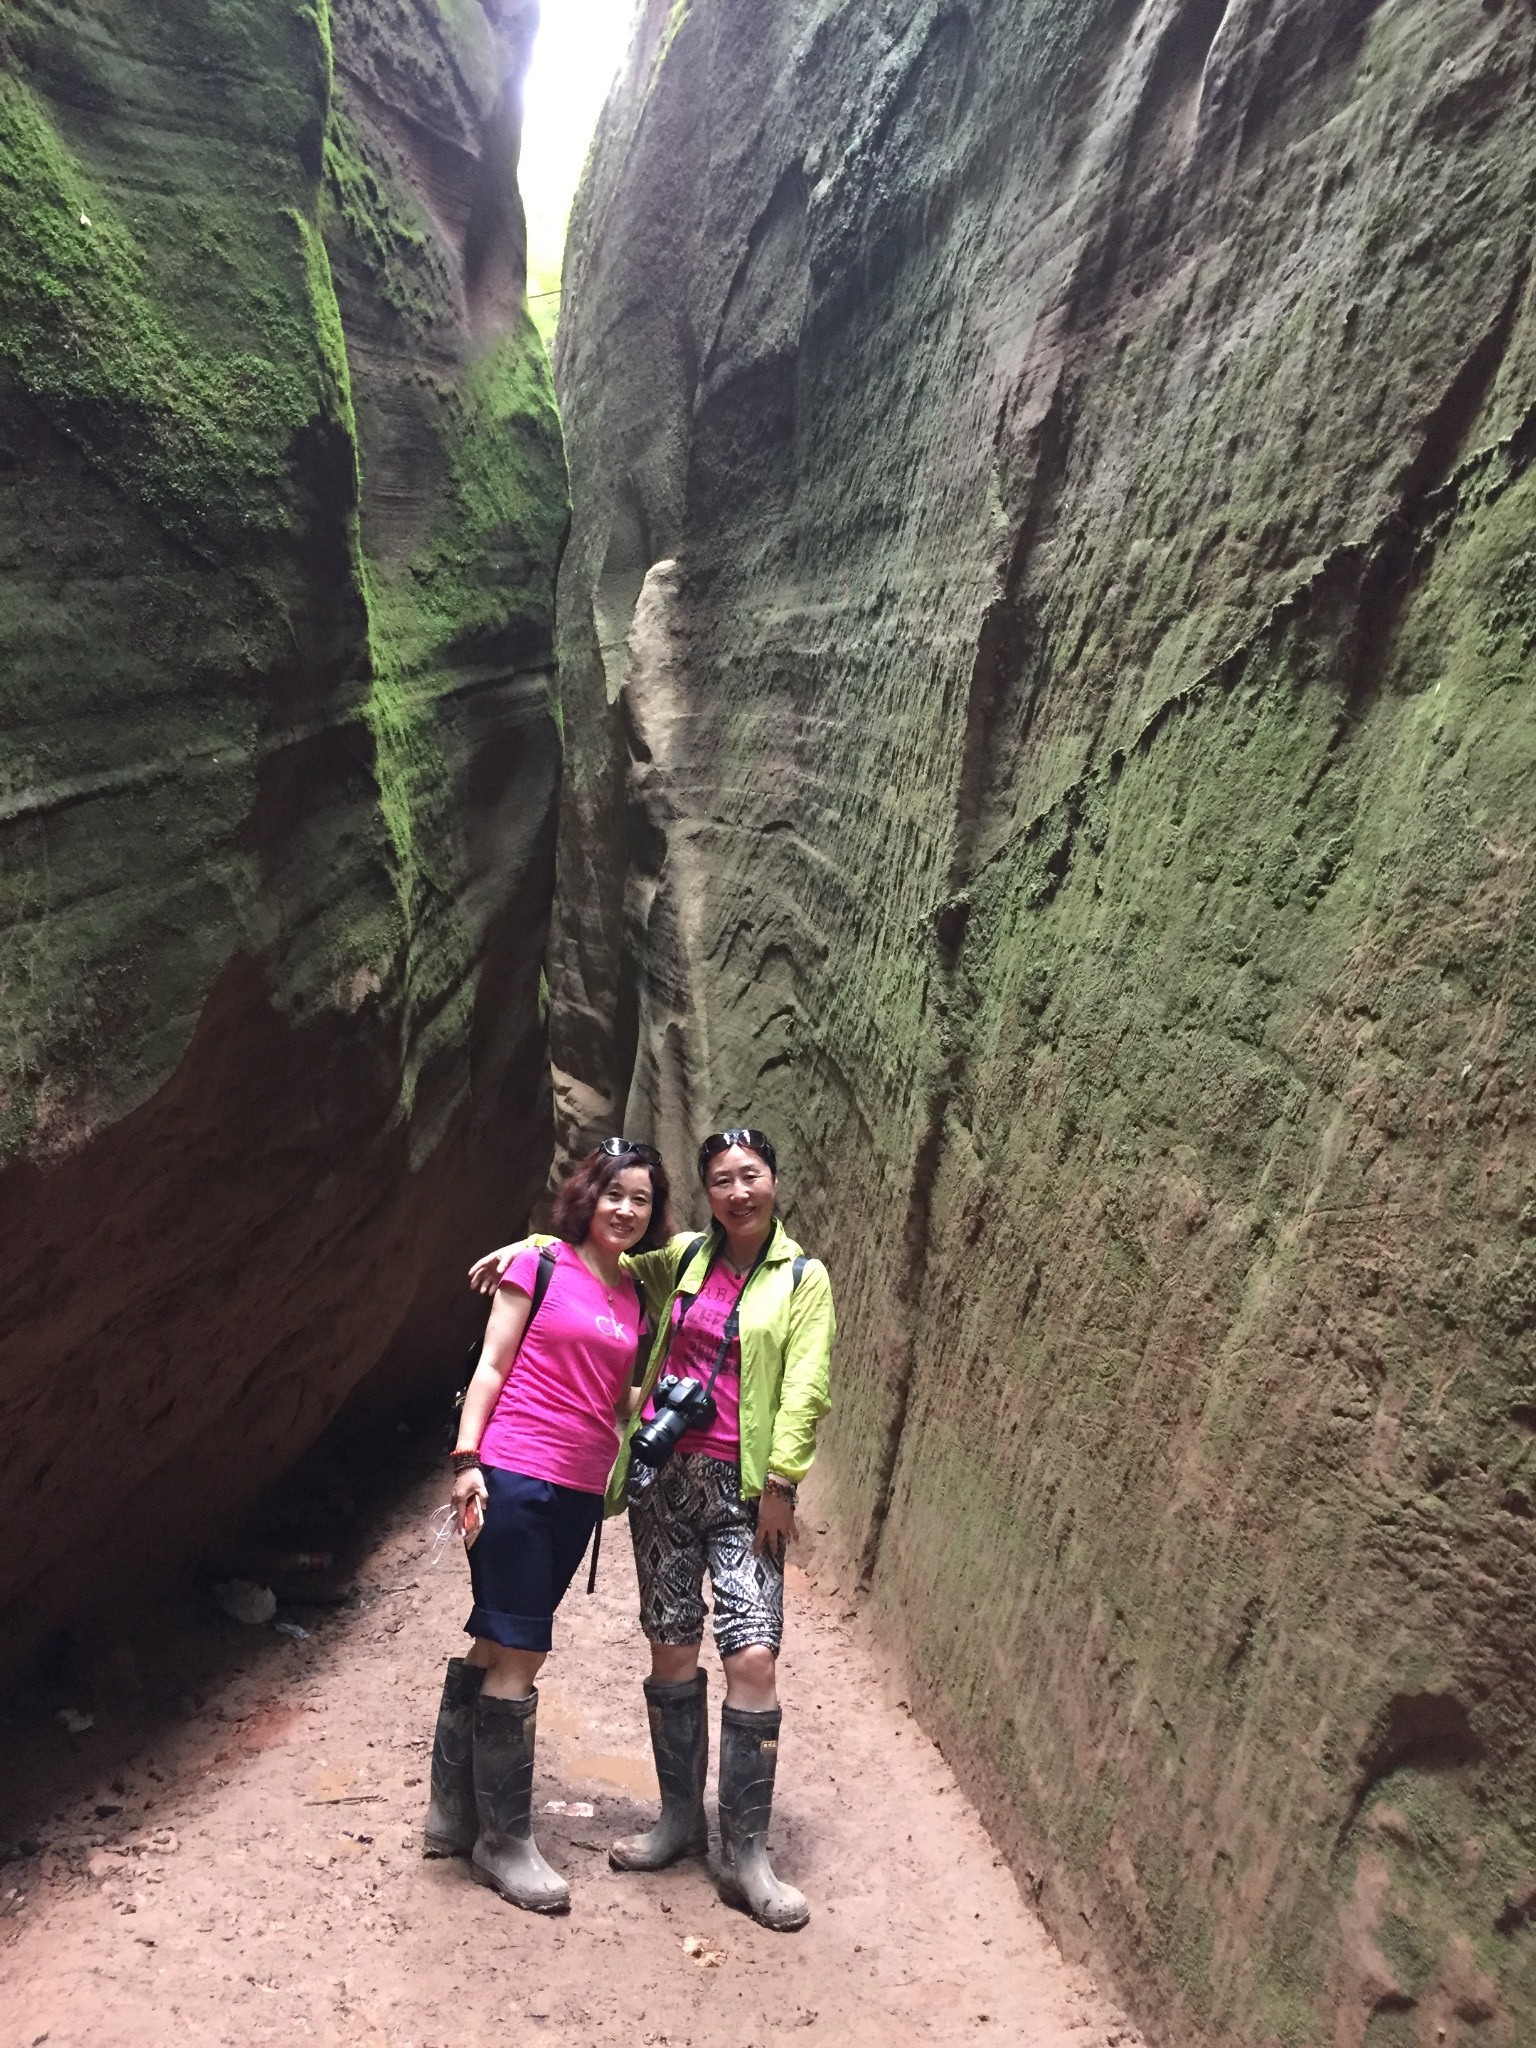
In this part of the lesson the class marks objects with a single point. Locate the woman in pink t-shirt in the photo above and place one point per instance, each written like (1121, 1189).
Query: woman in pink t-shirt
(538, 1434)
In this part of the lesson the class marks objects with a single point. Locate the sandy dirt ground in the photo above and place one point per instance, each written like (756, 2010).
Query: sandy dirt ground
(239, 1863)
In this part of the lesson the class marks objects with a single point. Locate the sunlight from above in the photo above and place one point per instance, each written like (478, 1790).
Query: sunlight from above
(580, 46)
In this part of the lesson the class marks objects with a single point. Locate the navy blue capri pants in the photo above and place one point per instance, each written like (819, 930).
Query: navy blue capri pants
(526, 1556)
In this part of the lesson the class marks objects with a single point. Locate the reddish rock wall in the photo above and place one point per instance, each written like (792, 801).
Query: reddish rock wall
(281, 494)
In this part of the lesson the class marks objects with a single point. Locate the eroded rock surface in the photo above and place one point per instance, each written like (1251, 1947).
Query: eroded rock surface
(1047, 652)
(281, 493)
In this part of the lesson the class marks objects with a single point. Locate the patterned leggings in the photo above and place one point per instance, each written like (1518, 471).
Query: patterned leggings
(688, 1515)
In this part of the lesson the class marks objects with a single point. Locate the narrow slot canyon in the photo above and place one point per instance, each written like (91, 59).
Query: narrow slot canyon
(237, 1844)
(972, 609)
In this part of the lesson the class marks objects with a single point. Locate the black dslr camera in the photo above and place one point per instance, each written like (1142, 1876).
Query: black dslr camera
(681, 1405)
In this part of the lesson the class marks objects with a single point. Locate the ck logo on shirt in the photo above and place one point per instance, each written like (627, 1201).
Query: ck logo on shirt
(610, 1326)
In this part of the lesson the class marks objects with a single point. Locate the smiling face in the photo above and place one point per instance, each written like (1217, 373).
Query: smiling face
(623, 1211)
(741, 1189)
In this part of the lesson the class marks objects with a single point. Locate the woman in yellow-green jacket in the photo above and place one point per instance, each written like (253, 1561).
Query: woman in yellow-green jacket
(735, 1386)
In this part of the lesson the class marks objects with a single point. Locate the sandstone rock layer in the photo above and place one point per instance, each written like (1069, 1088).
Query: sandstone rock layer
(1048, 641)
(281, 495)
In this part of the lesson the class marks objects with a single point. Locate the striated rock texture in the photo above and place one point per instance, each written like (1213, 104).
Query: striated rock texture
(281, 496)
(1048, 643)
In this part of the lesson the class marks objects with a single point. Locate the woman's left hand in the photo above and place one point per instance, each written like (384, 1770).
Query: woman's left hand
(469, 1498)
(485, 1274)
(775, 1526)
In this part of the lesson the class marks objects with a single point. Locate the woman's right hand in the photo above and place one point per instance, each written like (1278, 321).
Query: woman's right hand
(468, 1501)
(485, 1274)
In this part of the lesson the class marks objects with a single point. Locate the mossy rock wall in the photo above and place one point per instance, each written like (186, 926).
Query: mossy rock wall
(281, 496)
(1048, 652)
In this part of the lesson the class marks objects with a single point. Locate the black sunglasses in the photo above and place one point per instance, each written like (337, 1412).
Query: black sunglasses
(626, 1148)
(722, 1141)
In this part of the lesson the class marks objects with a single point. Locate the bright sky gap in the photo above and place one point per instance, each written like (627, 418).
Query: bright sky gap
(579, 47)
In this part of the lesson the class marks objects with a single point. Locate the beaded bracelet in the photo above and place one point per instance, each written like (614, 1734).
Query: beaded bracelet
(464, 1461)
(784, 1488)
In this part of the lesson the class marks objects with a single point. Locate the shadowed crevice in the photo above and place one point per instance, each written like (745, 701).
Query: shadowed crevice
(1421, 1731)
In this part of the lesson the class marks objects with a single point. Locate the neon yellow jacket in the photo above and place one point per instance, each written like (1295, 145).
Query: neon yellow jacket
(786, 1353)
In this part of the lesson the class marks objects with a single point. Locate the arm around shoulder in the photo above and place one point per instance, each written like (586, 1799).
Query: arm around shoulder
(485, 1274)
(655, 1273)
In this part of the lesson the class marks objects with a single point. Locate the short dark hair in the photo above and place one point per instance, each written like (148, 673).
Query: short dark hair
(584, 1184)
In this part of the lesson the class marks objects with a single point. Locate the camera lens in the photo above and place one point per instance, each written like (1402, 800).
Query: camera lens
(681, 1405)
(655, 1441)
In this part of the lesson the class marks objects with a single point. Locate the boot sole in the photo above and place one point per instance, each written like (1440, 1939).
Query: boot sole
(495, 1885)
(733, 1895)
(439, 1845)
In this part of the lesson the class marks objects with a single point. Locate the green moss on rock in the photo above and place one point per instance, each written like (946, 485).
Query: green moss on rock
(1095, 450)
(200, 436)
(277, 758)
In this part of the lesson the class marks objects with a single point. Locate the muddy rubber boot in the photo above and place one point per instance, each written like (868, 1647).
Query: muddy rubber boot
(450, 1826)
(749, 1756)
(505, 1856)
(679, 1716)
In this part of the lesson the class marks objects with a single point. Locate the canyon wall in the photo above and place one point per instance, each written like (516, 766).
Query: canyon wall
(281, 497)
(1047, 648)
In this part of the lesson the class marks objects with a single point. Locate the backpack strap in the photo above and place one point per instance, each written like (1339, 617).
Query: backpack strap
(797, 1272)
(548, 1254)
(597, 1544)
(643, 1339)
(686, 1301)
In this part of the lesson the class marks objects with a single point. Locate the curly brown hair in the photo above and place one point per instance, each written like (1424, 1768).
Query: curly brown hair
(584, 1184)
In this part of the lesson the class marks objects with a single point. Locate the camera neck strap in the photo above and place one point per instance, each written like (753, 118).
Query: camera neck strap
(733, 1320)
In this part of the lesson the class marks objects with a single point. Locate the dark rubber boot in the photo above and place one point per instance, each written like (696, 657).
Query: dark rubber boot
(505, 1857)
(450, 1826)
(749, 1756)
(679, 1716)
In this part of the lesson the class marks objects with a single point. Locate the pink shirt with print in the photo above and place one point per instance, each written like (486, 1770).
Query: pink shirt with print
(692, 1354)
(555, 1418)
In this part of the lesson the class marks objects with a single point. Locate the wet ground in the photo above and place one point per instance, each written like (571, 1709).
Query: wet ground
(229, 1855)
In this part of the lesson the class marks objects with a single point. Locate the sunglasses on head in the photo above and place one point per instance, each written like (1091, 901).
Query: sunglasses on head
(626, 1148)
(722, 1141)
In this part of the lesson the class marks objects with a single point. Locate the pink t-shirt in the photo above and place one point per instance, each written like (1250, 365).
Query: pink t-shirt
(555, 1417)
(692, 1354)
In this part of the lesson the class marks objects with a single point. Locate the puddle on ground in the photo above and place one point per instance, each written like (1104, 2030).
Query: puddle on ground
(625, 1773)
(633, 1774)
